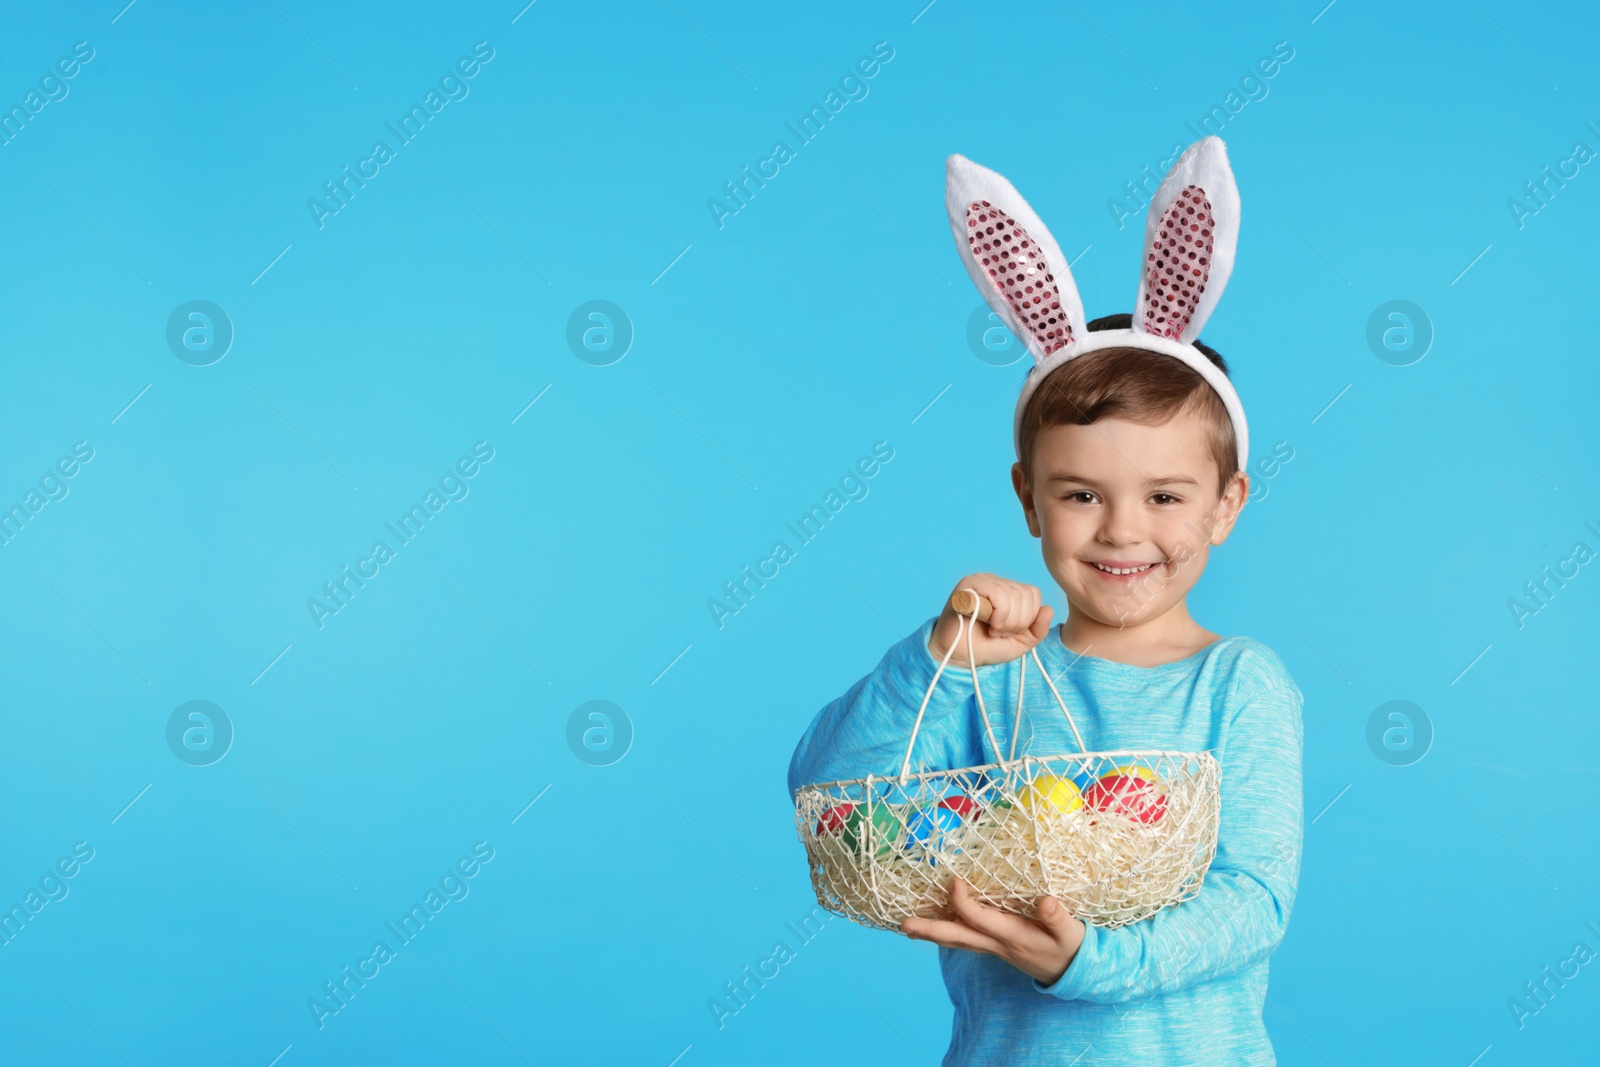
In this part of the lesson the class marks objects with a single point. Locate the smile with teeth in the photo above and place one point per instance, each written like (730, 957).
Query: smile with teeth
(1121, 571)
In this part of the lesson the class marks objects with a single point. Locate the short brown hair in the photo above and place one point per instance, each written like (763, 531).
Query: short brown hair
(1134, 384)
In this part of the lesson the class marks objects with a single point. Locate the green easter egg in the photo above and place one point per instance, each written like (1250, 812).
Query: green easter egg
(887, 826)
(850, 834)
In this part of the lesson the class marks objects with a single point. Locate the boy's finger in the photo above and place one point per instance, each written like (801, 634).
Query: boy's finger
(1054, 916)
(951, 935)
(1000, 615)
(1019, 613)
(1041, 622)
(1008, 929)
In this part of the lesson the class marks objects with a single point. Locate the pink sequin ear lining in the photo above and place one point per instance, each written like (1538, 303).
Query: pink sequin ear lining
(1016, 265)
(1178, 263)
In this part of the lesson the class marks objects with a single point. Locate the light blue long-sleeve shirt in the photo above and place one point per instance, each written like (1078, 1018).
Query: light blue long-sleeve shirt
(1185, 986)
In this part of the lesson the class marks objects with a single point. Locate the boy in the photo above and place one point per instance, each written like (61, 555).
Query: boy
(1129, 473)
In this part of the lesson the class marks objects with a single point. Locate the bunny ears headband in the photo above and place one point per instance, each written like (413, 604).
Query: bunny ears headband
(1190, 234)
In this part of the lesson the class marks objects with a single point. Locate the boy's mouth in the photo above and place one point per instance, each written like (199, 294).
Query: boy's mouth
(1121, 570)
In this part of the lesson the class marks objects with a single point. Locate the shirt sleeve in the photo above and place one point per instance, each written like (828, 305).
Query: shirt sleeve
(1242, 910)
(866, 730)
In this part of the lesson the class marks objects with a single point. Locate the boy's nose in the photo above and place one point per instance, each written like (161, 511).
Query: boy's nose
(1121, 525)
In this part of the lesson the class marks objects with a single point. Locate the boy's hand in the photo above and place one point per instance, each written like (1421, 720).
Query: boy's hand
(1019, 621)
(1040, 948)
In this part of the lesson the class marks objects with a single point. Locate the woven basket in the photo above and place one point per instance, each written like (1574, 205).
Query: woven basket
(1115, 836)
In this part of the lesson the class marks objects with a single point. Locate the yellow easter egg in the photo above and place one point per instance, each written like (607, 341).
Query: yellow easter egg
(1137, 771)
(1048, 793)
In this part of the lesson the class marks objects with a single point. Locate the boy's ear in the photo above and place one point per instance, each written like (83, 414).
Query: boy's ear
(1233, 501)
(1019, 482)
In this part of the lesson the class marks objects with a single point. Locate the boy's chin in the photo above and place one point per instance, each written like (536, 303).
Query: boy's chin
(1109, 612)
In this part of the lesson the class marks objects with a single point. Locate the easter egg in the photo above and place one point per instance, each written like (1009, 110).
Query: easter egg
(1131, 795)
(927, 829)
(850, 832)
(833, 819)
(887, 826)
(962, 805)
(1048, 794)
(884, 830)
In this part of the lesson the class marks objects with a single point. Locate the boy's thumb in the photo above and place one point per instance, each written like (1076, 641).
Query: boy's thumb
(1041, 622)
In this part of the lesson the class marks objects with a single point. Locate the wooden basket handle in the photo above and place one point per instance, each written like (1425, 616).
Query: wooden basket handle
(966, 602)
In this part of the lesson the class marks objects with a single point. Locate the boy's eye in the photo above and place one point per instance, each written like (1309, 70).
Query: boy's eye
(1081, 496)
(1165, 498)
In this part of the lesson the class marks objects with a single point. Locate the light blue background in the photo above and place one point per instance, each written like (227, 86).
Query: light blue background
(823, 317)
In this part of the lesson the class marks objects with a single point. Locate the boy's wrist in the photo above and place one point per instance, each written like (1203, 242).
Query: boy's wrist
(957, 662)
(938, 657)
(924, 639)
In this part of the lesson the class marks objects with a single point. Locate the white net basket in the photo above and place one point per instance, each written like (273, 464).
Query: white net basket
(1115, 836)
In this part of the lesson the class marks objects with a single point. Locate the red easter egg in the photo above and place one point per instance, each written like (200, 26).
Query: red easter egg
(1126, 794)
(834, 818)
(961, 804)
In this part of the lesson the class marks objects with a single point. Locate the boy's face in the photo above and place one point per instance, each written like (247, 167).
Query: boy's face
(1122, 495)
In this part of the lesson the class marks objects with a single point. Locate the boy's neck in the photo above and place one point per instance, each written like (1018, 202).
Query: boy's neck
(1168, 637)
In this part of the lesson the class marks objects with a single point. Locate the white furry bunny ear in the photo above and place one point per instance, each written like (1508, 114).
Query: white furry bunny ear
(1190, 235)
(1012, 258)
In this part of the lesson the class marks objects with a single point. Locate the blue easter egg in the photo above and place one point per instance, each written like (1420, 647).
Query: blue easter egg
(926, 829)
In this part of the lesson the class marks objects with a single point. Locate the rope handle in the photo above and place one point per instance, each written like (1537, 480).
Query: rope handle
(972, 608)
(969, 602)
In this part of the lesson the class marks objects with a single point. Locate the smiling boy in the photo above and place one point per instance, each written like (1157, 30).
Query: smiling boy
(1128, 473)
